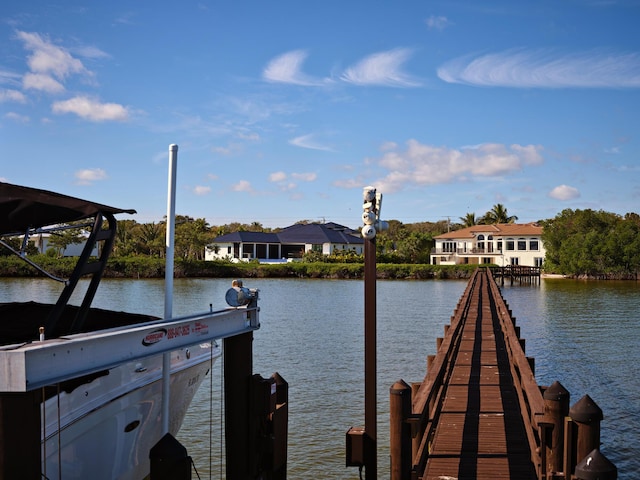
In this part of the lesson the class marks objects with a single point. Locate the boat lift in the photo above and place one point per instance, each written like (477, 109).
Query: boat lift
(33, 365)
(256, 412)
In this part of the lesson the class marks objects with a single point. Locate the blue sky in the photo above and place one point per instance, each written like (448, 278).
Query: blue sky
(284, 110)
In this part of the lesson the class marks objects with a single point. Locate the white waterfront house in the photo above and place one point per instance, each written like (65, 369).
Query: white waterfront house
(288, 244)
(501, 244)
(41, 242)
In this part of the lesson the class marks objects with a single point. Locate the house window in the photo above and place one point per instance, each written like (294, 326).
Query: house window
(317, 247)
(500, 245)
(486, 260)
(533, 244)
(522, 244)
(247, 250)
(481, 243)
(515, 261)
(449, 247)
(510, 244)
(537, 261)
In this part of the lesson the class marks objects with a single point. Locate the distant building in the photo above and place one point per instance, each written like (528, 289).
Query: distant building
(288, 244)
(500, 244)
(41, 242)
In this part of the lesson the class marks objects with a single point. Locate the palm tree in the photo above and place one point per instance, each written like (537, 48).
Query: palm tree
(498, 214)
(469, 220)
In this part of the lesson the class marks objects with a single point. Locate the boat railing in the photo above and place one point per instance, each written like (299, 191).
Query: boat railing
(33, 365)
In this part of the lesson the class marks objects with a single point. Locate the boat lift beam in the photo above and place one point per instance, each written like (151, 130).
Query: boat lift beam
(30, 366)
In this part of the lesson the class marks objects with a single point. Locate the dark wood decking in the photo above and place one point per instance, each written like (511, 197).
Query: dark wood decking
(479, 413)
(479, 430)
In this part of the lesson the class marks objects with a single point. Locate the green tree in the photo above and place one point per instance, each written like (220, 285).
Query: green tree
(191, 238)
(16, 244)
(498, 214)
(415, 247)
(150, 239)
(125, 238)
(594, 243)
(469, 220)
(59, 241)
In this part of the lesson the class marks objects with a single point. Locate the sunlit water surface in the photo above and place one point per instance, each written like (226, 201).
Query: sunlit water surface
(583, 334)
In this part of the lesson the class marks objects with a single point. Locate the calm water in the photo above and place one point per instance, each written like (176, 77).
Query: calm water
(584, 334)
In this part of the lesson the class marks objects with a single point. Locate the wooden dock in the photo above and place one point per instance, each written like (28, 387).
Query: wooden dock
(479, 413)
(517, 273)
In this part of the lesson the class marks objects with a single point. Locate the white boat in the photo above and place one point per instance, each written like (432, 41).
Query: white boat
(97, 377)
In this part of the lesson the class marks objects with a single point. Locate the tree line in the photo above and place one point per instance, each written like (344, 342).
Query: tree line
(577, 242)
(592, 244)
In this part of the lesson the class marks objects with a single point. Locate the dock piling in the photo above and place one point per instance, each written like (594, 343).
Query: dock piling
(556, 407)
(595, 466)
(586, 415)
(400, 430)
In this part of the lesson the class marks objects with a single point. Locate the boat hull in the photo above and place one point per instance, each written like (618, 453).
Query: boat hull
(106, 428)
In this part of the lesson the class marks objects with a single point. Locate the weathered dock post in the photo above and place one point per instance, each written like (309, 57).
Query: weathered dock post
(20, 430)
(169, 460)
(556, 407)
(280, 420)
(595, 466)
(400, 430)
(238, 369)
(587, 416)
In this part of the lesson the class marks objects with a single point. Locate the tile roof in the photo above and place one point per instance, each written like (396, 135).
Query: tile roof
(312, 233)
(247, 237)
(497, 230)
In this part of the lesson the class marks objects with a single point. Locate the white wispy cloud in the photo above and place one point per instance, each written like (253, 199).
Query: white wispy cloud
(10, 95)
(305, 176)
(16, 117)
(308, 141)
(88, 176)
(42, 82)
(281, 179)
(381, 69)
(564, 192)
(377, 69)
(89, 51)
(242, 186)
(201, 190)
(287, 68)
(277, 177)
(48, 59)
(543, 68)
(8, 77)
(437, 22)
(230, 149)
(421, 164)
(91, 109)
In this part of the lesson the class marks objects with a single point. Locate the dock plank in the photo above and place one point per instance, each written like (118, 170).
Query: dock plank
(479, 430)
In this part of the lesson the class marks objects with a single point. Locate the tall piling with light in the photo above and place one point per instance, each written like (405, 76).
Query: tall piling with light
(362, 443)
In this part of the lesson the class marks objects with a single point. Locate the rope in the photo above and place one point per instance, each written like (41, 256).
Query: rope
(59, 433)
(44, 432)
(210, 409)
(194, 467)
(221, 409)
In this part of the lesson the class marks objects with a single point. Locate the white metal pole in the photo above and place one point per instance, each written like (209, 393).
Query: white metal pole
(168, 280)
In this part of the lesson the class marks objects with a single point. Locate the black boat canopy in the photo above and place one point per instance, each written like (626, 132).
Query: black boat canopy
(23, 208)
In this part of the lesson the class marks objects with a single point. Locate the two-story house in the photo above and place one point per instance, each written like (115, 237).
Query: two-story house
(500, 244)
